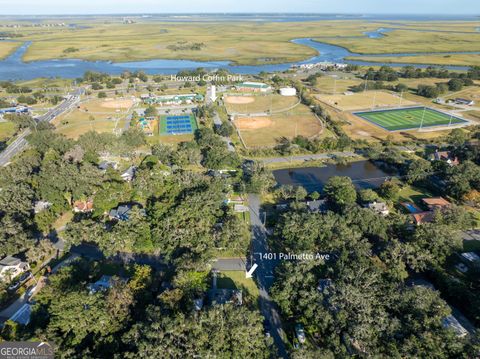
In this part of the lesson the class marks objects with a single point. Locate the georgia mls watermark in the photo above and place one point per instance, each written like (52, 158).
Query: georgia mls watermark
(26, 350)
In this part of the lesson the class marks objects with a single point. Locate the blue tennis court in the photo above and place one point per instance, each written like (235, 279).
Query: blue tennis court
(178, 125)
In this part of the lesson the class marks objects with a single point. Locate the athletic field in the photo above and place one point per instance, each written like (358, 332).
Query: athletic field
(177, 124)
(409, 118)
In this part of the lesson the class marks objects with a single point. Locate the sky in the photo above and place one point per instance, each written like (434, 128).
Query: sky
(80, 7)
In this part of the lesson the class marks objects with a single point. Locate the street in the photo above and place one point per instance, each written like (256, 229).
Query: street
(265, 275)
(20, 143)
(320, 156)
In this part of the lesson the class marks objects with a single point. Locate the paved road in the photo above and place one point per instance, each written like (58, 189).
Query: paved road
(320, 156)
(264, 275)
(9, 311)
(21, 143)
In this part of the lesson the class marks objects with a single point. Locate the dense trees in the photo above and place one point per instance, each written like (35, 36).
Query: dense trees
(340, 192)
(357, 300)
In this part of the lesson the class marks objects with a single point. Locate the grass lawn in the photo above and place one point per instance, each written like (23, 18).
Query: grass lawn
(237, 280)
(413, 194)
(364, 100)
(408, 118)
(7, 130)
(261, 103)
(266, 131)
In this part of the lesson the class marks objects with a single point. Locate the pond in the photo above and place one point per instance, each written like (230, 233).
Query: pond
(364, 174)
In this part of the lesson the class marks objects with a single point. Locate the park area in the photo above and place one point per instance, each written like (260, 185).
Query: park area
(409, 118)
(106, 115)
(364, 100)
(265, 131)
(259, 104)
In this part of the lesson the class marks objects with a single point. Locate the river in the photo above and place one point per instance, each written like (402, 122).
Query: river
(14, 68)
(364, 174)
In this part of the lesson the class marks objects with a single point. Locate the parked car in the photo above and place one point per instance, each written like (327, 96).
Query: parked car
(25, 276)
(300, 333)
(268, 329)
(31, 290)
(14, 286)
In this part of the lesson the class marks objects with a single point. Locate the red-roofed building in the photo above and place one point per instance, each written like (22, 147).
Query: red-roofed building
(83, 206)
(436, 203)
(423, 217)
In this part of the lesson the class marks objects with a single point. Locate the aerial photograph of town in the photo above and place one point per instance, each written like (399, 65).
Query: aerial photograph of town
(219, 179)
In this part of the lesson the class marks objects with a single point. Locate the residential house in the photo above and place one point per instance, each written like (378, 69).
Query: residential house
(10, 267)
(40, 206)
(378, 207)
(121, 213)
(445, 156)
(83, 206)
(436, 203)
(423, 217)
(105, 165)
(224, 296)
(317, 206)
(129, 174)
(103, 284)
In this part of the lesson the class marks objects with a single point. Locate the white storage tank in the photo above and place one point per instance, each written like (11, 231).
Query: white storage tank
(288, 91)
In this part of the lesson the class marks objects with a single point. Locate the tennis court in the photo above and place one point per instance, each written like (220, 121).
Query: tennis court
(409, 118)
(177, 124)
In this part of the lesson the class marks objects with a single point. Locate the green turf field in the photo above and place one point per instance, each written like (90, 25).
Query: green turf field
(177, 124)
(408, 118)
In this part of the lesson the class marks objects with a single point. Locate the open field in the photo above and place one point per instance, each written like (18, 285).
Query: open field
(7, 130)
(241, 42)
(409, 118)
(265, 131)
(259, 104)
(364, 100)
(96, 115)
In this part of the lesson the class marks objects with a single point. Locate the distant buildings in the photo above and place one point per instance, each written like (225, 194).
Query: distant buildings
(10, 267)
(288, 91)
(321, 66)
(253, 87)
(464, 101)
(166, 100)
(317, 206)
(105, 165)
(18, 109)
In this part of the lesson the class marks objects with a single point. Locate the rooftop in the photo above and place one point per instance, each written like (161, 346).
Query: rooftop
(9, 261)
(436, 202)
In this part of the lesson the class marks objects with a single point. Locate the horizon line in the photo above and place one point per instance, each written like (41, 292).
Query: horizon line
(244, 13)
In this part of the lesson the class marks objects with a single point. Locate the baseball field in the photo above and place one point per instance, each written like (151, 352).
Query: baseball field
(409, 118)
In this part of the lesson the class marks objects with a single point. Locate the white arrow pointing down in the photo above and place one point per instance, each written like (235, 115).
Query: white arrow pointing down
(249, 274)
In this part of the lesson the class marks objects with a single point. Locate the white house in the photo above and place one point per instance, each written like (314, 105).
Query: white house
(10, 267)
(378, 207)
(129, 174)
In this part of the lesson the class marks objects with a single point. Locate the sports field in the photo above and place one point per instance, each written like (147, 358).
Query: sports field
(177, 125)
(409, 118)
